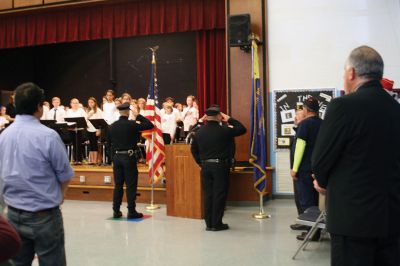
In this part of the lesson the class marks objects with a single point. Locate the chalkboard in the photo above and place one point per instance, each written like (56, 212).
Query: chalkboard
(286, 103)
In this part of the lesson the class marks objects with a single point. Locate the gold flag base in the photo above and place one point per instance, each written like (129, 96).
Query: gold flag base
(153, 207)
(261, 214)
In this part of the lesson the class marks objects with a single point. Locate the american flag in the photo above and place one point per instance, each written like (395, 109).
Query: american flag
(154, 153)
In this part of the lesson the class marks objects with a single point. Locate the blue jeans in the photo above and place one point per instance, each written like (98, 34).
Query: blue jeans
(41, 233)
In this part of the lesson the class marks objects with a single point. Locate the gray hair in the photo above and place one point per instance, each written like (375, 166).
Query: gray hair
(367, 62)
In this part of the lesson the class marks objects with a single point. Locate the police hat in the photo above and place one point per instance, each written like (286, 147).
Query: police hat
(124, 106)
(213, 110)
(312, 104)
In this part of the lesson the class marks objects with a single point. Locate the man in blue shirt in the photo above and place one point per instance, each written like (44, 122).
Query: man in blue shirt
(35, 172)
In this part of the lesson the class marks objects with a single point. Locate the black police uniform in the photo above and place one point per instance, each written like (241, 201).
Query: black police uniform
(212, 148)
(124, 135)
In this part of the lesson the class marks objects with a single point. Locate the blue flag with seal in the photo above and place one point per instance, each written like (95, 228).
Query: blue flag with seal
(257, 129)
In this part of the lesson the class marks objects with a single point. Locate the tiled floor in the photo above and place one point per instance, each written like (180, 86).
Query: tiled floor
(92, 240)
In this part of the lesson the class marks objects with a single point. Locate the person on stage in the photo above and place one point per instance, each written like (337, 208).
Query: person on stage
(109, 108)
(57, 112)
(35, 173)
(168, 124)
(11, 106)
(123, 136)
(76, 111)
(211, 149)
(4, 117)
(190, 114)
(93, 112)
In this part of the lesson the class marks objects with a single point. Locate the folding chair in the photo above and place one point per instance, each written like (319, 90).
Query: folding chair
(314, 217)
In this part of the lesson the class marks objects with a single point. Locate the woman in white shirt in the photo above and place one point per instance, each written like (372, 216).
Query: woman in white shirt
(190, 114)
(93, 112)
(109, 108)
(168, 124)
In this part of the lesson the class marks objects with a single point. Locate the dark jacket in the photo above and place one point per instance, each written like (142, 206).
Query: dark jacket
(124, 134)
(357, 158)
(213, 141)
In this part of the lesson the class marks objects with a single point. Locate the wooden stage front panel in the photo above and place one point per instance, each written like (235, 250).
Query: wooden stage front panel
(94, 188)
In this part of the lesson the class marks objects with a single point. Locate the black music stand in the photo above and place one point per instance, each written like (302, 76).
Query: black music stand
(100, 124)
(48, 123)
(80, 124)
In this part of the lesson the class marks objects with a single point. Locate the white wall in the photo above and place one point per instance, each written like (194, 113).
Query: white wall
(309, 40)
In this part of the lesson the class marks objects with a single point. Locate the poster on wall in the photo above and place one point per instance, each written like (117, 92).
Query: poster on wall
(286, 103)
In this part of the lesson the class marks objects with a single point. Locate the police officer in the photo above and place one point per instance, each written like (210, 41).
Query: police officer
(124, 135)
(212, 148)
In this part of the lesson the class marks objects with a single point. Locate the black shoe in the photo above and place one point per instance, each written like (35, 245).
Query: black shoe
(299, 227)
(209, 229)
(220, 227)
(135, 215)
(316, 236)
(117, 214)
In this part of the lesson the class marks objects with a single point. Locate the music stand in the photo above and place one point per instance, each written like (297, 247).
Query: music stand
(48, 123)
(80, 124)
(100, 124)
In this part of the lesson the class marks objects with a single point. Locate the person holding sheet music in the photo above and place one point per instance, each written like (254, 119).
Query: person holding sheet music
(76, 111)
(94, 112)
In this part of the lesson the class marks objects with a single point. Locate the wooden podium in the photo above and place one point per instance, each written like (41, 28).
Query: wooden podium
(184, 192)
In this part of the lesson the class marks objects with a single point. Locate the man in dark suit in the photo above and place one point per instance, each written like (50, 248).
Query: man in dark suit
(212, 149)
(357, 159)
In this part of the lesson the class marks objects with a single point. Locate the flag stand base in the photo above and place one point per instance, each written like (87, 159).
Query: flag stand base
(261, 214)
(153, 207)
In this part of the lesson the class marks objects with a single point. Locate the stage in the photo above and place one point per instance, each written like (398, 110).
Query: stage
(95, 183)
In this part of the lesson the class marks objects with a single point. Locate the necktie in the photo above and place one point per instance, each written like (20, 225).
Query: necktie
(55, 114)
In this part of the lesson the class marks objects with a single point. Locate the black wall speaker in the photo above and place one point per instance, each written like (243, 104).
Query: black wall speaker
(239, 30)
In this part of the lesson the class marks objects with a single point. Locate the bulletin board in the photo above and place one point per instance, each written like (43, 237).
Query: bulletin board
(286, 103)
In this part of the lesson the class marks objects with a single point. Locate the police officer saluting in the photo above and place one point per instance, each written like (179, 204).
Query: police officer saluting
(211, 148)
(123, 136)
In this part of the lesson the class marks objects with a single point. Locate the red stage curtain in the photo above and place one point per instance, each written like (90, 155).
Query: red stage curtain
(211, 69)
(144, 17)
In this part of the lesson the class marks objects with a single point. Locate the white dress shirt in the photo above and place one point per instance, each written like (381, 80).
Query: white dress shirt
(189, 116)
(59, 114)
(109, 112)
(168, 124)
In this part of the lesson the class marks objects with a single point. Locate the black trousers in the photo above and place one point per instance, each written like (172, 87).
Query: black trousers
(77, 139)
(125, 171)
(357, 251)
(306, 193)
(215, 179)
(296, 198)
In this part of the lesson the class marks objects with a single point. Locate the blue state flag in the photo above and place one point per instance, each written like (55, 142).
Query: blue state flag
(258, 154)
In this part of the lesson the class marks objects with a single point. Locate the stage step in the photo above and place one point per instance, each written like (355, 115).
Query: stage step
(105, 193)
(96, 183)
